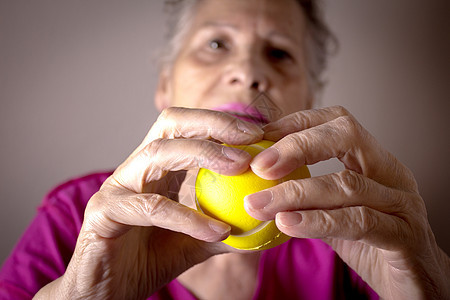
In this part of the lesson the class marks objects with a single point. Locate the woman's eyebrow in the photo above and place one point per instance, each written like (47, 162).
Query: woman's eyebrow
(272, 34)
(285, 37)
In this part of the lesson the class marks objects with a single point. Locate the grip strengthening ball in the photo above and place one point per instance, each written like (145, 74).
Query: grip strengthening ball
(222, 197)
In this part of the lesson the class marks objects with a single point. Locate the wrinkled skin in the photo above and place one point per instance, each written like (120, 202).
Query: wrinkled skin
(131, 242)
(371, 213)
(136, 237)
(133, 239)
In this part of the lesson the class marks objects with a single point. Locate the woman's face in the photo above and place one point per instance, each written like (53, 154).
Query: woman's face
(236, 49)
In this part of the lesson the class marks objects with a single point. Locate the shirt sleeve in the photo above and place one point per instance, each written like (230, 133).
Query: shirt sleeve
(45, 249)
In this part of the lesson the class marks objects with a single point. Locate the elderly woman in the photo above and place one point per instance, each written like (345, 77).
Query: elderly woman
(359, 232)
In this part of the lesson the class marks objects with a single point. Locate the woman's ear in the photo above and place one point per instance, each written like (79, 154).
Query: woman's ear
(163, 97)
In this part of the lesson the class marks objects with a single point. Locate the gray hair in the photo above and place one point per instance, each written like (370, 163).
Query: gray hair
(320, 42)
(179, 18)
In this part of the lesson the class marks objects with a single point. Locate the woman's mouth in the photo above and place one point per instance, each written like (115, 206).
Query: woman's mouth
(244, 112)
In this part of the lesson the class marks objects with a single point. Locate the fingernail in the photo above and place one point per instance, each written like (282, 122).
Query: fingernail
(249, 128)
(219, 227)
(258, 200)
(235, 154)
(290, 219)
(265, 159)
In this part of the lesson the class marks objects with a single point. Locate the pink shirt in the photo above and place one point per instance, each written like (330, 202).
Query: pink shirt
(298, 269)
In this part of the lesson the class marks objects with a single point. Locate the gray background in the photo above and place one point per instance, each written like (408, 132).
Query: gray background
(77, 81)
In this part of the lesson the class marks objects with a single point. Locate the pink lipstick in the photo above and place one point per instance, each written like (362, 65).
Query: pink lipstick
(244, 112)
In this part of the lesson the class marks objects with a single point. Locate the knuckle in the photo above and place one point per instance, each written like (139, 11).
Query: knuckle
(340, 110)
(350, 125)
(347, 122)
(95, 202)
(154, 148)
(167, 112)
(412, 205)
(326, 224)
(418, 203)
(365, 220)
(164, 115)
(151, 206)
(187, 217)
(301, 119)
(165, 125)
(396, 200)
(294, 190)
(299, 141)
(97, 210)
(352, 183)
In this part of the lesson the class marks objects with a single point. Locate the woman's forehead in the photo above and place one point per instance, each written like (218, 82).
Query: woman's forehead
(283, 17)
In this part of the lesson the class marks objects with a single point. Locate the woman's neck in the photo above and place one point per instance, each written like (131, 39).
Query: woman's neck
(225, 276)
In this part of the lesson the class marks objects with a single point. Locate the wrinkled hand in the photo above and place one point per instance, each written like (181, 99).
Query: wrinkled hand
(371, 213)
(134, 238)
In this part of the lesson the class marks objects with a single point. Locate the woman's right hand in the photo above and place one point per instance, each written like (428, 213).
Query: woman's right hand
(134, 238)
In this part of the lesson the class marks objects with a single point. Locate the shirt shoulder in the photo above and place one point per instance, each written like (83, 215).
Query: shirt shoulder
(44, 250)
(80, 188)
(71, 197)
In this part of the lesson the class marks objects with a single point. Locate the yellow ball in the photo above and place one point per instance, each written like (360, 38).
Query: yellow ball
(222, 197)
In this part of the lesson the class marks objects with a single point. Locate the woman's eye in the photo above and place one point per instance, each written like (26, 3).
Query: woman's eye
(217, 44)
(278, 54)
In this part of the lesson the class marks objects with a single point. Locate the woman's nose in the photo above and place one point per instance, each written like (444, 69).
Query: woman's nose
(249, 73)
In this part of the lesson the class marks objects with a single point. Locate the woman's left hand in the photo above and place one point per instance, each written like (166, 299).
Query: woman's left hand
(371, 213)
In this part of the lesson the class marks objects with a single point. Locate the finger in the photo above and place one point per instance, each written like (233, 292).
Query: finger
(359, 223)
(332, 191)
(302, 120)
(107, 215)
(180, 122)
(322, 142)
(164, 155)
(343, 138)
